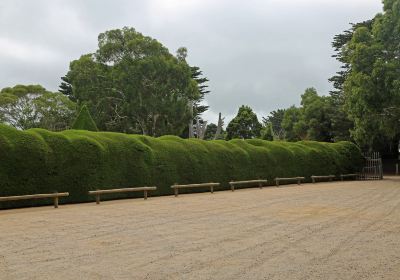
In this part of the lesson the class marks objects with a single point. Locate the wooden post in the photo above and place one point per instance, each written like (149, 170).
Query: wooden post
(260, 185)
(145, 194)
(175, 190)
(97, 198)
(212, 189)
(232, 187)
(298, 181)
(397, 169)
(277, 182)
(313, 180)
(56, 201)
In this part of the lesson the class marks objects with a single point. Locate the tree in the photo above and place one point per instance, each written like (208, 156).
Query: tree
(316, 116)
(371, 85)
(267, 132)
(196, 106)
(290, 122)
(84, 121)
(342, 125)
(211, 132)
(197, 75)
(245, 125)
(32, 106)
(311, 121)
(133, 84)
(275, 120)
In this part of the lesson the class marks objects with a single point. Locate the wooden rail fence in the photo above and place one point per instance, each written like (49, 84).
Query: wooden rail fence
(259, 183)
(329, 177)
(176, 187)
(297, 179)
(55, 197)
(97, 193)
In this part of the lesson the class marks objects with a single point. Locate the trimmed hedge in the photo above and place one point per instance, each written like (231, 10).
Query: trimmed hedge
(84, 120)
(40, 161)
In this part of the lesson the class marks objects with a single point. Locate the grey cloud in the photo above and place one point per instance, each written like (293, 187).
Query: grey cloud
(262, 53)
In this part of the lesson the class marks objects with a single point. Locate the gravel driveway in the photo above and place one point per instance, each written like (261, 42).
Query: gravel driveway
(340, 230)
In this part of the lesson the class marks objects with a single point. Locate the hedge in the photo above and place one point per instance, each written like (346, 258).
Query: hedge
(75, 161)
(84, 120)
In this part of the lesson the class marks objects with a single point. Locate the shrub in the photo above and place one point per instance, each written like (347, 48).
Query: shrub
(84, 121)
(40, 161)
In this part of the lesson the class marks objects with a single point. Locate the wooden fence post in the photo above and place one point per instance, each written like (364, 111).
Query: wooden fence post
(97, 198)
(175, 190)
(56, 200)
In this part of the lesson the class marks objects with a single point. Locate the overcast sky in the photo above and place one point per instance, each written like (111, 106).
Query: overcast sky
(261, 53)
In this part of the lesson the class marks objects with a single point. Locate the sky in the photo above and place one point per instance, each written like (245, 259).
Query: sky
(261, 53)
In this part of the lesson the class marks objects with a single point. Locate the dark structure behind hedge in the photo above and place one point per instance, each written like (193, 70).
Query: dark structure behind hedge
(39, 161)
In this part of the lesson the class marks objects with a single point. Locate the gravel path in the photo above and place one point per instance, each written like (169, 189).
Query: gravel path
(341, 230)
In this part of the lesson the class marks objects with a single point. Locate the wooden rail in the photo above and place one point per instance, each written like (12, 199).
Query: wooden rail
(97, 193)
(55, 197)
(298, 179)
(204, 185)
(259, 183)
(342, 176)
(330, 177)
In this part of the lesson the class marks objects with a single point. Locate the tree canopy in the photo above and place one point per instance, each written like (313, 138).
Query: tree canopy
(245, 125)
(32, 106)
(133, 84)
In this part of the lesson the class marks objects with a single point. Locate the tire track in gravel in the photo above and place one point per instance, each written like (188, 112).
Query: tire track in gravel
(247, 233)
(200, 214)
(297, 244)
(4, 269)
(305, 232)
(294, 243)
(377, 222)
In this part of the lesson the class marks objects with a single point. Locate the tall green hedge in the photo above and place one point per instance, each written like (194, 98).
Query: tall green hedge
(40, 161)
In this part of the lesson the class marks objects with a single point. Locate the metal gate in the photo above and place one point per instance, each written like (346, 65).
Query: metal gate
(372, 169)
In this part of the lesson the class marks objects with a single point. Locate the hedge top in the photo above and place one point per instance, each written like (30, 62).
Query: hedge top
(84, 120)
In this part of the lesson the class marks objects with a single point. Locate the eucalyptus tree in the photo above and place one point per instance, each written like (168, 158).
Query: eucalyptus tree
(32, 106)
(133, 84)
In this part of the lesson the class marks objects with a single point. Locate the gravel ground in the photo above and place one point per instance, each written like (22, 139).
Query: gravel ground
(340, 230)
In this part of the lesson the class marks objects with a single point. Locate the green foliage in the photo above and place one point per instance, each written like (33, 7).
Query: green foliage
(369, 84)
(312, 121)
(133, 84)
(32, 106)
(84, 120)
(197, 75)
(290, 122)
(267, 132)
(40, 161)
(275, 120)
(211, 131)
(245, 125)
